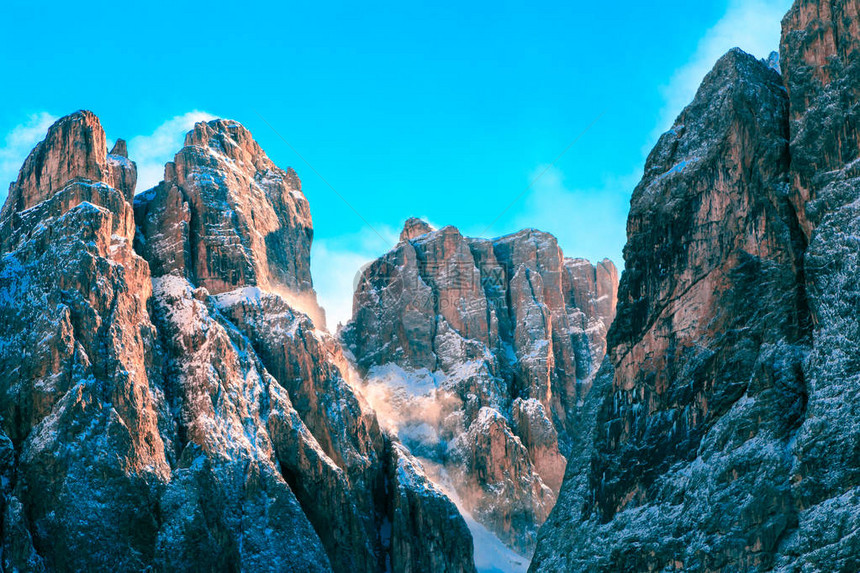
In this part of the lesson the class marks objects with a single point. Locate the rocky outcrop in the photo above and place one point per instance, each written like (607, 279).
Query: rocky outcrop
(237, 448)
(492, 459)
(148, 423)
(338, 469)
(699, 378)
(709, 227)
(74, 149)
(721, 429)
(821, 58)
(478, 354)
(414, 228)
(820, 43)
(427, 531)
(78, 372)
(309, 365)
(226, 216)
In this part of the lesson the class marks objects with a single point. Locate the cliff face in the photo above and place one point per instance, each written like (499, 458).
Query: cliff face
(721, 436)
(820, 42)
(78, 369)
(698, 377)
(148, 422)
(821, 54)
(226, 216)
(478, 353)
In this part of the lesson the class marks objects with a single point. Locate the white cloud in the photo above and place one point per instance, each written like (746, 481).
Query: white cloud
(151, 152)
(588, 223)
(335, 266)
(752, 25)
(17, 145)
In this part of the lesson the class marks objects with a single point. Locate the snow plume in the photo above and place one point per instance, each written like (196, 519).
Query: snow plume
(491, 555)
(305, 302)
(336, 264)
(413, 406)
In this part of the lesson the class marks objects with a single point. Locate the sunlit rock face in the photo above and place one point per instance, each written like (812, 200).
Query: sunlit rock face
(226, 216)
(478, 354)
(79, 376)
(821, 58)
(722, 434)
(150, 423)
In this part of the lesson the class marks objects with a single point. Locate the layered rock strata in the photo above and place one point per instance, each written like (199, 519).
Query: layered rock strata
(721, 429)
(478, 354)
(178, 411)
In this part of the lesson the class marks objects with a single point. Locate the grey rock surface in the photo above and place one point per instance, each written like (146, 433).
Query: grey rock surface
(723, 420)
(169, 409)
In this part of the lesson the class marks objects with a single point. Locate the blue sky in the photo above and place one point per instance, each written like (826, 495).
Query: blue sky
(443, 110)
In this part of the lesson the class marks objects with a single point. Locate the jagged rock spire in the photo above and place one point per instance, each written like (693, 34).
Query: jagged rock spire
(413, 228)
(226, 216)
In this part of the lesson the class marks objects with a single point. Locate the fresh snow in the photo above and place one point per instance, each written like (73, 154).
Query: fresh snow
(491, 555)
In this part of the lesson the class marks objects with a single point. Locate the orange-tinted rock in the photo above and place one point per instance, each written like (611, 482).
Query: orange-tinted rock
(142, 427)
(449, 329)
(686, 462)
(499, 486)
(819, 57)
(79, 380)
(414, 228)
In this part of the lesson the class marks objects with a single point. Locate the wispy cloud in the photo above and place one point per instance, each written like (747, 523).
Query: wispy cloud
(588, 223)
(336, 264)
(752, 25)
(152, 151)
(18, 143)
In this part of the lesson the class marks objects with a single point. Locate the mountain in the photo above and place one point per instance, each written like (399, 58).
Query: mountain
(171, 400)
(722, 426)
(166, 402)
(478, 353)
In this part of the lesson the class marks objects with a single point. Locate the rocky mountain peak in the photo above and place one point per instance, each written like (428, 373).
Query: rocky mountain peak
(119, 149)
(73, 149)
(718, 426)
(70, 166)
(147, 422)
(772, 62)
(225, 216)
(414, 228)
(477, 353)
(227, 137)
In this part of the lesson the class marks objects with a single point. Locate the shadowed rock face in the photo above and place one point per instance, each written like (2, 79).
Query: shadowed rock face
(705, 355)
(147, 423)
(710, 227)
(477, 354)
(821, 58)
(721, 437)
